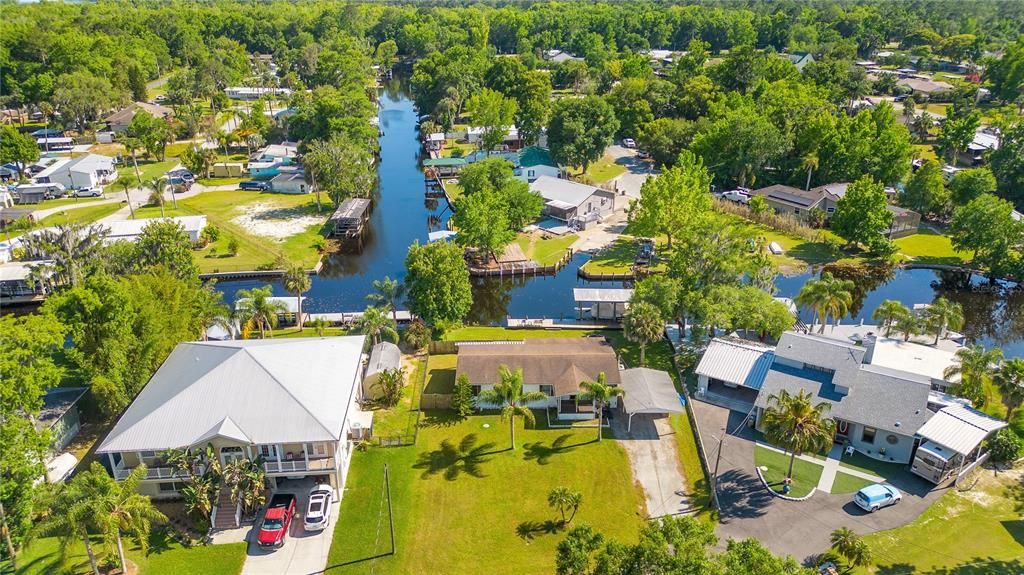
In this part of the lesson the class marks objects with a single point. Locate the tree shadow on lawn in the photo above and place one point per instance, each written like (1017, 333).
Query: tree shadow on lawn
(285, 213)
(973, 566)
(529, 530)
(454, 460)
(440, 418)
(542, 453)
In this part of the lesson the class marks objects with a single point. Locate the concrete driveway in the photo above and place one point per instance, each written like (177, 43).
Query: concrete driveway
(654, 457)
(637, 170)
(302, 553)
(800, 529)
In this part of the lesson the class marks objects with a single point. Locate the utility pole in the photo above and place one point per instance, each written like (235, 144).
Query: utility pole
(391, 515)
(714, 475)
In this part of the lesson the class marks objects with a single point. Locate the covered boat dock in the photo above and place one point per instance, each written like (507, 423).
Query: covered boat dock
(350, 218)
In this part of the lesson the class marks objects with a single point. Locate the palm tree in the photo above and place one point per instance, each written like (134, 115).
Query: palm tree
(888, 313)
(159, 188)
(851, 546)
(794, 423)
(942, 315)
(811, 296)
(127, 183)
(376, 324)
(1009, 378)
(68, 518)
(810, 162)
(975, 367)
(509, 394)
(117, 508)
(601, 394)
(562, 498)
(247, 481)
(198, 495)
(909, 325)
(71, 249)
(132, 145)
(837, 297)
(319, 325)
(387, 292)
(643, 324)
(296, 281)
(256, 309)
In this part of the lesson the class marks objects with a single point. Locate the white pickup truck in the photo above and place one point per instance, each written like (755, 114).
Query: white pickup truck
(738, 196)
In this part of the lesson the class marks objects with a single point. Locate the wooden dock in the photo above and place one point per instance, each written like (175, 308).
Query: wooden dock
(351, 217)
(562, 323)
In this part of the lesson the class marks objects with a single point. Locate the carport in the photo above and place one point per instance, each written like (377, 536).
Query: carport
(649, 391)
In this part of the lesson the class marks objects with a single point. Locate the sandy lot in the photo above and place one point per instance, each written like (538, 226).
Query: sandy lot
(272, 222)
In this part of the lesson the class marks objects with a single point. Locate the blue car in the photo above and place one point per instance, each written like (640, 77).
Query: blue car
(874, 497)
(253, 185)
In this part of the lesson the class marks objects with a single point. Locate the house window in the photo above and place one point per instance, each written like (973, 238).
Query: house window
(548, 390)
(830, 210)
(868, 435)
(169, 487)
(268, 451)
(476, 390)
(147, 457)
(796, 211)
(531, 173)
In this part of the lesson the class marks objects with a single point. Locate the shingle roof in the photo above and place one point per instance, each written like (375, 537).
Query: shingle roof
(790, 195)
(57, 402)
(260, 391)
(735, 361)
(561, 362)
(959, 428)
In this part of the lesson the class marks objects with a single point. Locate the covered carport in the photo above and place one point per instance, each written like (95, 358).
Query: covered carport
(649, 391)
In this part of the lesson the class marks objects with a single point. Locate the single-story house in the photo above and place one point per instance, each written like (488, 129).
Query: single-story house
(925, 85)
(271, 160)
(572, 202)
(559, 56)
(255, 93)
(85, 171)
(47, 133)
(554, 367)
(511, 141)
(119, 121)
(36, 193)
(383, 356)
(16, 284)
(800, 59)
(290, 182)
(291, 402)
(60, 415)
(534, 162)
(984, 140)
(798, 203)
(131, 229)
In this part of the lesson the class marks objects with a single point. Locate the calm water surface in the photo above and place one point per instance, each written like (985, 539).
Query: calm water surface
(402, 216)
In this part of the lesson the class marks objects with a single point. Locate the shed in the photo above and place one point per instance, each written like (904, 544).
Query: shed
(350, 217)
(289, 183)
(383, 356)
(60, 415)
(228, 170)
(647, 390)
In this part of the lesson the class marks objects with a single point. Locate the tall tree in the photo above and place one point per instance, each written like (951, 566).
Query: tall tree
(971, 183)
(563, 498)
(17, 148)
(797, 425)
(926, 192)
(599, 392)
(256, 309)
(68, 518)
(494, 113)
(975, 365)
(673, 201)
(580, 129)
(387, 292)
(481, 223)
(437, 281)
(827, 295)
(1009, 378)
(862, 216)
(508, 394)
(957, 133)
(376, 324)
(890, 312)
(986, 227)
(943, 314)
(644, 325)
(342, 168)
(296, 281)
(851, 546)
(71, 251)
(165, 243)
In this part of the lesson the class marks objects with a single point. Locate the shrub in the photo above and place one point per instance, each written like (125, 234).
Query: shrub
(320, 245)
(233, 247)
(1005, 446)
(391, 383)
(417, 335)
(210, 234)
(462, 400)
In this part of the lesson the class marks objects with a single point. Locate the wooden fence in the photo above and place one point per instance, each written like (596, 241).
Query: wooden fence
(436, 401)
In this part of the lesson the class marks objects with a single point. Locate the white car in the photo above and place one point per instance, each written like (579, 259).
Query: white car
(737, 196)
(318, 510)
(874, 497)
(92, 192)
(629, 142)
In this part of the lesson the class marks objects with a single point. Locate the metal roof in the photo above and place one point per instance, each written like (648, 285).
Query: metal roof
(383, 356)
(254, 391)
(602, 295)
(566, 191)
(959, 428)
(733, 361)
(649, 391)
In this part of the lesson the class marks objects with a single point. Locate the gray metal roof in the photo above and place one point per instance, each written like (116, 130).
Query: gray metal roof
(252, 391)
(564, 191)
(383, 356)
(649, 391)
(735, 361)
(602, 295)
(960, 428)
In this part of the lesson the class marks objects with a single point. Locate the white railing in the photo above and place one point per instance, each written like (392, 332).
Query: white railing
(318, 464)
(154, 473)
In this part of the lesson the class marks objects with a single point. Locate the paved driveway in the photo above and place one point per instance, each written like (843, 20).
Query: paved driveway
(651, 446)
(637, 170)
(302, 553)
(800, 529)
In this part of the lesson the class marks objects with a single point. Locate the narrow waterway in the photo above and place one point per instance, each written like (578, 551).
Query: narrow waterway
(402, 216)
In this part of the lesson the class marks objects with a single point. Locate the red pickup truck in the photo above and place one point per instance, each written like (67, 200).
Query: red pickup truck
(277, 521)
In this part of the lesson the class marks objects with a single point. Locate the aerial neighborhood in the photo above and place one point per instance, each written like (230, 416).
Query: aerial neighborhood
(687, 288)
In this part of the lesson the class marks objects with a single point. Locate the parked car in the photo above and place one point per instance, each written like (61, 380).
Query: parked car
(183, 174)
(644, 251)
(738, 196)
(90, 192)
(254, 186)
(318, 510)
(629, 142)
(277, 521)
(874, 497)
(159, 98)
(900, 98)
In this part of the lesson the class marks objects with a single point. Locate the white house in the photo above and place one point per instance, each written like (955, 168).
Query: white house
(290, 402)
(82, 172)
(130, 230)
(254, 93)
(573, 202)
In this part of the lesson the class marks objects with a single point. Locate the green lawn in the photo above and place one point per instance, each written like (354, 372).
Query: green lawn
(453, 147)
(84, 215)
(974, 532)
(293, 331)
(166, 557)
(148, 169)
(602, 170)
(862, 462)
(545, 252)
(465, 503)
(846, 483)
(441, 373)
(925, 152)
(220, 181)
(71, 201)
(805, 473)
(930, 247)
(399, 420)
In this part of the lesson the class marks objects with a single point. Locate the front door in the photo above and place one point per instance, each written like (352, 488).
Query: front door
(229, 454)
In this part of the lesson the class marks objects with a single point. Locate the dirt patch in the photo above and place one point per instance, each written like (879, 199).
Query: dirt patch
(266, 220)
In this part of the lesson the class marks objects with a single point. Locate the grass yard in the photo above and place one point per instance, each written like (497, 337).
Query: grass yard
(805, 473)
(930, 247)
(846, 483)
(454, 148)
(545, 252)
(220, 181)
(83, 215)
(291, 332)
(166, 557)
(600, 171)
(862, 462)
(454, 189)
(148, 169)
(441, 373)
(398, 420)
(485, 333)
(925, 152)
(71, 201)
(465, 503)
(973, 532)
(112, 149)
(618, 258)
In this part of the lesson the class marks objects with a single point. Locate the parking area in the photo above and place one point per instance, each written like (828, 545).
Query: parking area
(303, 553)
(797, 528)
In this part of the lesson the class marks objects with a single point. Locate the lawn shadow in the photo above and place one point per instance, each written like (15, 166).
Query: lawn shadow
(529, 530)
(741, 496)
(813, 252)
(981, 566)
(441, 381)
(542, 452)
(439, 418)
(896, 569)
(454, 460)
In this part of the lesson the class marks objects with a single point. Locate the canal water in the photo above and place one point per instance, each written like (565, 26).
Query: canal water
(402, 216)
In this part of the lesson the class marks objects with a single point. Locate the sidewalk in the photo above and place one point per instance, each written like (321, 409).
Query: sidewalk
(832, 465)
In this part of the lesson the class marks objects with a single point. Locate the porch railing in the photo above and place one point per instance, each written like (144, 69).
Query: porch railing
(299, 465)
(151, 473)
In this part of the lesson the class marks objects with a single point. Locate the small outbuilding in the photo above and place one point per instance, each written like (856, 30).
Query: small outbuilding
(383, 356)
(648, 391)
(60, 415)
